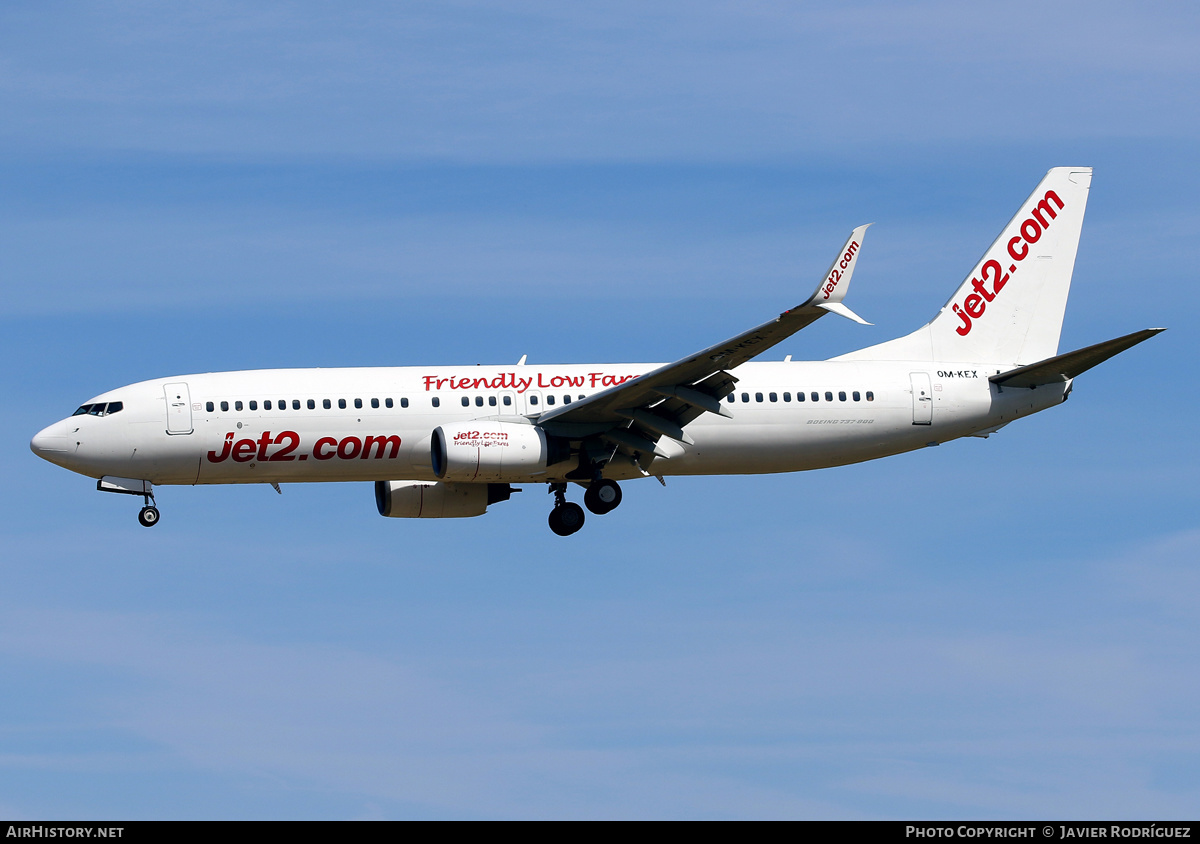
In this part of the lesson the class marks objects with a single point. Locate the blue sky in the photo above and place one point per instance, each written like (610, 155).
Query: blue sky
(1000, 628)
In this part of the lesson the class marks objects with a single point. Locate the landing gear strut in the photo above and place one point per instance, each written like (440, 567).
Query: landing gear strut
(603, 496)
(148, 517)
(566, 518)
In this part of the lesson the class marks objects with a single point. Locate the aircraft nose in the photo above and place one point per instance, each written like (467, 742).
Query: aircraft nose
(50, 441)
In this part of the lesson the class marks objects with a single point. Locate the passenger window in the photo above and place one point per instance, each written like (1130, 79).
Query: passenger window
(237, 405)
(209, 406)
(566, 399)
(341, 404)
(842, 395)
(773, 396)
(787, 396)
(815, 396)
(732, 398)
(266, 404)
(327, 404)
(856, 395)
(758, 396)
(295, 404)
(466, 402)
(870, 396)
(312, 404)
(283, 404)
(387, 402)
(358, 404)
(550, 399)
(508, 401)
(224, 407)
(479, 401)
(254, 405)
(404, 402)
(745, 397)
(828, 396)
(533, 399)
(491, 401)
(375, 403)
(437, 402)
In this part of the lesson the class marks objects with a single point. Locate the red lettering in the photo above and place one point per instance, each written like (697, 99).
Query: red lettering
(244, 451)
(212, 455)
(1017, 256)
(998, 276)
(1043, 209)
(965, 328)
(981, 290)
(974, 306)
(349, 448)
(384, 443)
(1031, 231)
(285, 453)
(318, 449)
(263, 442)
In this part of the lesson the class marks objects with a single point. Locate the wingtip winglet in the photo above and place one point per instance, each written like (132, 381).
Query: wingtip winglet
(841, 310)
(834, 285)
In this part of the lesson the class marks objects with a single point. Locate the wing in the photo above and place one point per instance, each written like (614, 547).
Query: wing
(632, 418)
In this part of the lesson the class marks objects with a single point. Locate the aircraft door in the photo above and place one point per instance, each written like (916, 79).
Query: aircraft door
(179, 408)
(508, 404)
(922, 396)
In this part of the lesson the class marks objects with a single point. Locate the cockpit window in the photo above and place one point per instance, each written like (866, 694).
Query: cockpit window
(100, 409)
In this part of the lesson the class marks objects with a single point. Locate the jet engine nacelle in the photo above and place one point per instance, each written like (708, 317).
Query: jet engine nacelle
(489, 451)
(436, 500)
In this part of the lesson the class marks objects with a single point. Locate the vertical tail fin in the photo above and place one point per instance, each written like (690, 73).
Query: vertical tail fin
(1010, 308)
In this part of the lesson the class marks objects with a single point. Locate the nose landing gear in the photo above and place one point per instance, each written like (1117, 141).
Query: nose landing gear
(149, 516)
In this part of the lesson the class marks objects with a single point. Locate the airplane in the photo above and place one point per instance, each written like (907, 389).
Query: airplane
(447, 442)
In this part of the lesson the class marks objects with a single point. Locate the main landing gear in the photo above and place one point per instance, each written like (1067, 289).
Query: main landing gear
(602, 496)
(566, 518)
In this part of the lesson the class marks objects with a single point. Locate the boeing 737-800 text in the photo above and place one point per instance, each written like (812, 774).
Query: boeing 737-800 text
(444, 442)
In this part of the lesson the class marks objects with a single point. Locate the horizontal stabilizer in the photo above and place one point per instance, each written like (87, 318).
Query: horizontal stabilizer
(1062, 368)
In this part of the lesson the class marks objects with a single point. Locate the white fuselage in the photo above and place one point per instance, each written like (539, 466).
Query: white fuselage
(375, 424)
